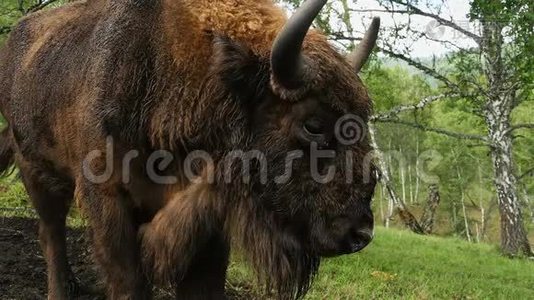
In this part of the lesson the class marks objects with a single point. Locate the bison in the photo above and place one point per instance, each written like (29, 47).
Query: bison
(91, 90)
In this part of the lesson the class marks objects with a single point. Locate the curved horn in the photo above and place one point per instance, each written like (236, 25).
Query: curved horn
(361, 54)
(286, 59)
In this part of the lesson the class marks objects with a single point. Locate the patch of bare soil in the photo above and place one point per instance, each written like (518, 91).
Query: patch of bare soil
(23, 268)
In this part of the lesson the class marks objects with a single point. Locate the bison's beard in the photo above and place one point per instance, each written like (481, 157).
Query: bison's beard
(281, 261)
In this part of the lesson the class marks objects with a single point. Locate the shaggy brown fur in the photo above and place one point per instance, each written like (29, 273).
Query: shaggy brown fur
(180, 76)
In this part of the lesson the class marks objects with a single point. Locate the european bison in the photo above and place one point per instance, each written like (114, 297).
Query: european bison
(133, 107)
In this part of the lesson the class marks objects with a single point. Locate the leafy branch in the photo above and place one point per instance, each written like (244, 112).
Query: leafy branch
(36, 7)
(522, 126)
(427, 70)
(462, 136)
(337, 36)
(392, 113)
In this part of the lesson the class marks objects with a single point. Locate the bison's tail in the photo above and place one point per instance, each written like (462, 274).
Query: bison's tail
(6, 152)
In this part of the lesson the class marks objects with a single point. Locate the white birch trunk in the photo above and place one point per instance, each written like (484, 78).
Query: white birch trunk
(402, 177)
(500, 100)
(513, 234)
(417, 175)
(462, 201)
(466, 222)
(410, 185)
(381, 203)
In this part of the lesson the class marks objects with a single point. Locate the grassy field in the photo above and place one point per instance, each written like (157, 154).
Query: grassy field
(402, 265)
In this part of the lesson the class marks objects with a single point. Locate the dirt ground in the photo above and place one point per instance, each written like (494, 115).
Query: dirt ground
(22, 266)
(23, 269)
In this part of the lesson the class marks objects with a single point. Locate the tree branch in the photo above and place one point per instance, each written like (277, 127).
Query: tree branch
(521, 126)
(445, 42)
(380, 10)
(415, 10)
(337, 36)
(394, 111)
(423, 68)
(462, 136)
(39, 5)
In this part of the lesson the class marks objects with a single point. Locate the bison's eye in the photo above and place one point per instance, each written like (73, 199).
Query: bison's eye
(313, 127)
(313, 130)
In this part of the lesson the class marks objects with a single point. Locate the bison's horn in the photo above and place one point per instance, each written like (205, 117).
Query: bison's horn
(286, 60)
(361, 54)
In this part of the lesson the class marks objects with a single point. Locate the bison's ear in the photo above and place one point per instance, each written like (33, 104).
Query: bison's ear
(238, 68)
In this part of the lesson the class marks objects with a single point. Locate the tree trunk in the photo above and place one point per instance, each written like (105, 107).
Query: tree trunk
(466, 220)
(410, 185)
(402, 174)
(462, 201)
(417, 175)
(381, 204)
(429, 215)
(514, 240)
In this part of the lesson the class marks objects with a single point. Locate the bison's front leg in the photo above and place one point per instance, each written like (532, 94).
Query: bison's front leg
(184, 244)
(206, 276)
(116, 247)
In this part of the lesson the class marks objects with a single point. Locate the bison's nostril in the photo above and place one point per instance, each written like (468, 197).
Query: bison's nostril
(360, 239)
(357, 246)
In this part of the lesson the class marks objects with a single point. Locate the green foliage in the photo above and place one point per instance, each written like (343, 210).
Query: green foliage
(12, 10)
(9, 14)
(464, 168)
(517, 16)
(402, 265)
(391, 87)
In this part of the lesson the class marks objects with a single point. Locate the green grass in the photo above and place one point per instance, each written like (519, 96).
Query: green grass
(12, 192)
(402, 265)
